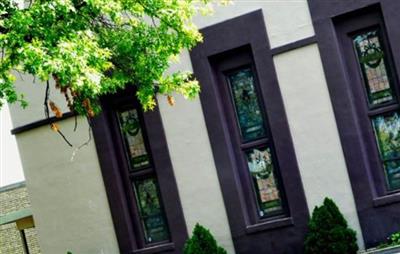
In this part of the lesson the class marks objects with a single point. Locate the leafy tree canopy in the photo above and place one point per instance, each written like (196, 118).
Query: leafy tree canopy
(94, 47)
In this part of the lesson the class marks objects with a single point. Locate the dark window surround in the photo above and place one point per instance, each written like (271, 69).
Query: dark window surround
(132, 176)
(378, 213)
(223, 65)
(248, 31)
(346, 28)
(114, 166)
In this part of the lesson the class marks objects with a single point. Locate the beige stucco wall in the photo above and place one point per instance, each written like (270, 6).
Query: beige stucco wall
(286, 21)
(194, 168)
(34, 91)
(68, 198)
(314, 131)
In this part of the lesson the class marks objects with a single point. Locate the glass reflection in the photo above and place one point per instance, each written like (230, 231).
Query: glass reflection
(151, 213)
(133, 139)
(373, 63)
(262, 171)
(387, 133)
(248, 112)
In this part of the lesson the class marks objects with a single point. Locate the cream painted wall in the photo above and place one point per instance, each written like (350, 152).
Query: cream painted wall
(286, 20)
(194, 168)
(193, 163)
(34, 92)
(314, 131)
(68, 198)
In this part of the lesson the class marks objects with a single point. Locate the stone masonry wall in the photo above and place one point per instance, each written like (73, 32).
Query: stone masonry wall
(13, 198)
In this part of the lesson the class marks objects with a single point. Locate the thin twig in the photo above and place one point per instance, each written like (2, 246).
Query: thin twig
(65, 139)
(89, 138)
(20, 76)
(46, 98)
(76, 122)
(47, 112)
(152, 13)
(87, 142)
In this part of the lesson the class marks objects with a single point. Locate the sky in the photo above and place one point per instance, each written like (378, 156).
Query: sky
(10, 163)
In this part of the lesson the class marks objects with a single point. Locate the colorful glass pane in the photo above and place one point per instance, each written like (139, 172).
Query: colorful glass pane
(248, 110)
(262, 172)
(393, 174)
(373, 63)
(151, 213)
(133, 139)
(387, 133)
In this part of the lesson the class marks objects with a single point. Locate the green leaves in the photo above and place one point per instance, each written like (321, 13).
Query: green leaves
(95, 47)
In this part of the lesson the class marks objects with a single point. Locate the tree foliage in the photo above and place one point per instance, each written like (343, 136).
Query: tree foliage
(329, 232)
(95, 47)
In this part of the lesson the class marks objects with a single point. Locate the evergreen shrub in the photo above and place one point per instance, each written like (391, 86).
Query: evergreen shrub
(202, 242)
(328, 232)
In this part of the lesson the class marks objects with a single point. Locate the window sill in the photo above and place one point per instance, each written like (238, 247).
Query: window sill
(155, 249)
(387, 200)
(278, 223)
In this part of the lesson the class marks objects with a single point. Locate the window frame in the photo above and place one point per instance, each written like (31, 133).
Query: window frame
(227, 88)
(347, 29)
(138, 174)
(388, 63)
(248, 31)
(232, 62)
(119, 185)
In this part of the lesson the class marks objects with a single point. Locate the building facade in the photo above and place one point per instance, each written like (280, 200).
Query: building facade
(299, 101)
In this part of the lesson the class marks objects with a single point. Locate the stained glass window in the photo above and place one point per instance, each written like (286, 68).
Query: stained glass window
(373, 63)
(387, 133)
(153, 227)
(263, 175)
(133, 139)
(252, 126)
(248, 112)
(151, 213)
